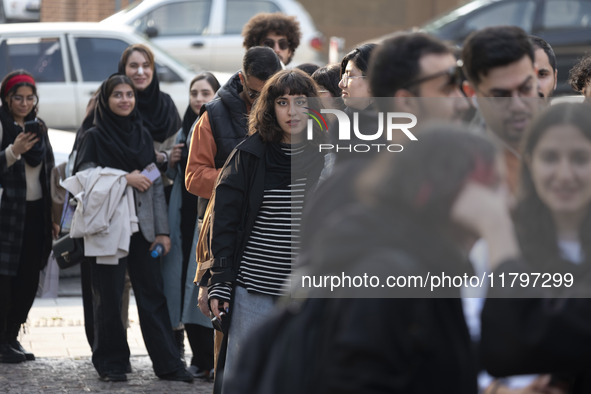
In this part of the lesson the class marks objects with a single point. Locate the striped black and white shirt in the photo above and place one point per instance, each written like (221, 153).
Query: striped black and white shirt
(273, 243)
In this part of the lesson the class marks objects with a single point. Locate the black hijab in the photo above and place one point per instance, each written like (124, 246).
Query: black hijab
(157, 109)
(116, 141)
(188, 121)
(36, 154)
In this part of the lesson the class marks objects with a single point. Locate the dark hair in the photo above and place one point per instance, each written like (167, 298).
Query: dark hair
(260, 62)
(262, 117)
(117, 79)
(540, 43)
(580, 74)
(4, 93)
(396, 61)
(209, 78)
(329, 77)
(494, 47)
(147, 52)
(359, 56)
(533, 220)
(260, 25)
(438, 175)
(308, 68)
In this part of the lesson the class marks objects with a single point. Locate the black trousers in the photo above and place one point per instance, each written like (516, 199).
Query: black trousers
(201, 341)
(110, 348)
(17, 293)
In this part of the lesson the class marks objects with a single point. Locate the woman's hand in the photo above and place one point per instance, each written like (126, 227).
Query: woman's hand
(202, 301)
(55, 230)
(175, 155)
(485, 212)
(24, 142)
(138, 181)
(164, 240)
(214, 305)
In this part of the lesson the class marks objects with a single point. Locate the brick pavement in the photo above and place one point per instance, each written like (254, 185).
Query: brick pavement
(55, 334)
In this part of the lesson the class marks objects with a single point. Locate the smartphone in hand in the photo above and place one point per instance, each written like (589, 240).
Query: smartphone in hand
(33, 126)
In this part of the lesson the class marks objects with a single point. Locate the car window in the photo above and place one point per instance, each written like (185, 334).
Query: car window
(166, 74)
(239, 12)
(42, 57)
(567, 14)
(517, 13)
(99, 57)
(182, 18)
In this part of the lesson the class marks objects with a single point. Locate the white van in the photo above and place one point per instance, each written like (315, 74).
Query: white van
(207, 33)
(69, 60)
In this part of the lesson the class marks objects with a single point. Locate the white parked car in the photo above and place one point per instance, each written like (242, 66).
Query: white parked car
(69, 61)
(62, 143)
(207, 33)
(20, 10)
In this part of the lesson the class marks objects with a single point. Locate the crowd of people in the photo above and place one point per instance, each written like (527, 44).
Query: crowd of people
(491, 180)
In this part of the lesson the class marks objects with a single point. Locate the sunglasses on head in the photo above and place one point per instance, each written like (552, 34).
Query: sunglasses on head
(269, 42)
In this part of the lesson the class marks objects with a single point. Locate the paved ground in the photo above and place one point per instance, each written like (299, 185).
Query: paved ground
(55, 334)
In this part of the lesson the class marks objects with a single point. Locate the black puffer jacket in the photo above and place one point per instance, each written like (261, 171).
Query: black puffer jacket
(238, 197)
(228, 117)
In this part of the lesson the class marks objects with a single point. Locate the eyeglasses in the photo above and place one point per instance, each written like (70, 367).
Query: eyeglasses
(20, 99)
(503, 97)
(346, 77)
(453, 73)
(269, 42)
(252, 94)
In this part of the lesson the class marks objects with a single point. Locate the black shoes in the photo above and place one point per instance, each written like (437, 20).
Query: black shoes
(9, 355)
(16, 345)
(113, 377)
(180, 375)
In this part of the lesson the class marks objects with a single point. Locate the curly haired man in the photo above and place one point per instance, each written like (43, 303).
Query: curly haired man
(275, 30)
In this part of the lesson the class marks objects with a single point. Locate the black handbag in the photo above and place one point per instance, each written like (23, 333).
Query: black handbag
(68, 251)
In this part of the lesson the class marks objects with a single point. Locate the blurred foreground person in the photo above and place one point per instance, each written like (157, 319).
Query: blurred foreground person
(399, 340)
(550, 334)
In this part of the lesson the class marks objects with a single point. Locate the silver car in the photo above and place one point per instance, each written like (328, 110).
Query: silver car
(207, 33)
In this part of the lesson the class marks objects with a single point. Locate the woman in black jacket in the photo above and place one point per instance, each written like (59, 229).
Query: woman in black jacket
(26, 161)
(259, 198)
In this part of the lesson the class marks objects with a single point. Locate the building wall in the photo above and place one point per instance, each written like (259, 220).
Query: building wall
(79, 10)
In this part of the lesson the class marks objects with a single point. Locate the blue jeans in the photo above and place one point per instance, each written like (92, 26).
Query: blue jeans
(248, 311)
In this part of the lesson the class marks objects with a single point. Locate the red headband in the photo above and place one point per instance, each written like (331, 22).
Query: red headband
(20, 78)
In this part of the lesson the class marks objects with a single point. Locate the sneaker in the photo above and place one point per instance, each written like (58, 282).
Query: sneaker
(9, 355)
(113, 377)
(180, 375)
(200, 373)
(16, 345)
